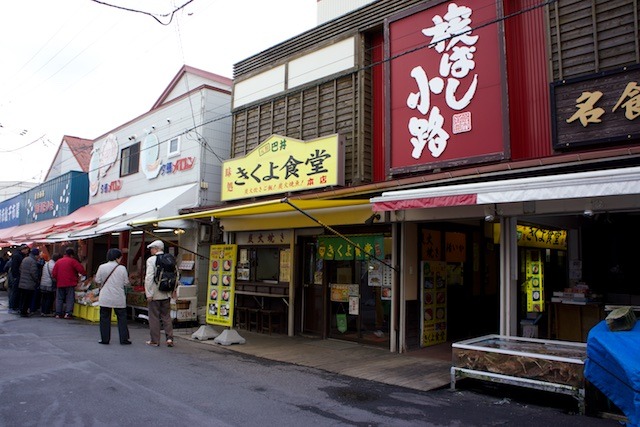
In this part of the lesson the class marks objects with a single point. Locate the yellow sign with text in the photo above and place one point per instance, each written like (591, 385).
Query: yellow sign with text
(281, 164)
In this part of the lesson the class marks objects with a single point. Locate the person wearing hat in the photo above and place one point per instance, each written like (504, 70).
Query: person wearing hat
(29, 279)
(158, 302)
(14, 278)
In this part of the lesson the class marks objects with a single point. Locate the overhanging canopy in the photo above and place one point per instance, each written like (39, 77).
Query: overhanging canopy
(278, 213)
(82, 218)
(602, 183)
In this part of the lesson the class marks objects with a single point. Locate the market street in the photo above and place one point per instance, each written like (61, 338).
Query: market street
(55, 373)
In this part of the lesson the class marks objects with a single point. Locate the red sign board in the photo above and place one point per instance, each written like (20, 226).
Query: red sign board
(446, 86)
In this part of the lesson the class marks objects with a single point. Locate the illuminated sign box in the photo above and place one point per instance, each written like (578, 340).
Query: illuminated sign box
(281, 165)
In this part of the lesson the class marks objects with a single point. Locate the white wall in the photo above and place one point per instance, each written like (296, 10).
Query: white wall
(192, 120)
(331, 9)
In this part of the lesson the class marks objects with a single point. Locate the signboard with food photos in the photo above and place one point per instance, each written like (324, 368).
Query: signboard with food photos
(434, 302)
(222, 284)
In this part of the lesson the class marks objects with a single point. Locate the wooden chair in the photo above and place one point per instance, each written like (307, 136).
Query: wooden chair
(253, 318)
(242, 317)
(271, 320)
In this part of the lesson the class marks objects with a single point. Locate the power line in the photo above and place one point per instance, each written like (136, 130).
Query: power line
(153, 15)
(202, 141)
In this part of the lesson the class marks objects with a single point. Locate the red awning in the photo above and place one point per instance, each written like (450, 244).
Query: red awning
(82, 218)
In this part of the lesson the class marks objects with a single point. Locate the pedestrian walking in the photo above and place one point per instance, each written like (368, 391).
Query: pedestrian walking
(113, 278)
(48, 286)
(67, 271)
(29, 281)
(14, 278)
(158, 302)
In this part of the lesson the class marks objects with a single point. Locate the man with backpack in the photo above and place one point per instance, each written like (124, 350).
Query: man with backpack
(159, 301)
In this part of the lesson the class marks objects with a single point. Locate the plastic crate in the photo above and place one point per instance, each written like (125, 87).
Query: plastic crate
(90, 313)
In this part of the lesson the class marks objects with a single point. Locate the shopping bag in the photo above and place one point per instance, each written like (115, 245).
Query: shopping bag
(341, 320)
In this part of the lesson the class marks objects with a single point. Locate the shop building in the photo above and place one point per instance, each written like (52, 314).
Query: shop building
(150, 167)
(497, 143)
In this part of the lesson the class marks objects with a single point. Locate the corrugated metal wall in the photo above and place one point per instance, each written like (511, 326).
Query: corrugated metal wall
(527, 74)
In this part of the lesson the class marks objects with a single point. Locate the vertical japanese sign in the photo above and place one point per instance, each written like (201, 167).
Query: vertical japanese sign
(434, 302)
(534, 286)
(222, 284)
(446, 89)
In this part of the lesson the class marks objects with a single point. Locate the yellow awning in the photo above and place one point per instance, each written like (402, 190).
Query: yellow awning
(272, 214)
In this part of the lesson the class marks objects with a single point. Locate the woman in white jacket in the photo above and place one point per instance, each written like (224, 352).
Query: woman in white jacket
(48, 287)
(112, 278)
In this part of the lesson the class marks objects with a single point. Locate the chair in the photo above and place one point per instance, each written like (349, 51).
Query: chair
(242, 317)
(270, 320)
(253, 318)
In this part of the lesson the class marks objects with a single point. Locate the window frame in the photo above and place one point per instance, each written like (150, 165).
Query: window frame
(130, 156)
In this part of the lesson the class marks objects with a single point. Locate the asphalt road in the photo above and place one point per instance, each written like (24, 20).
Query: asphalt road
(54, 373)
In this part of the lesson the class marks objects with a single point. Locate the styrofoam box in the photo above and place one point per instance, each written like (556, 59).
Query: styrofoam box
(187, 291)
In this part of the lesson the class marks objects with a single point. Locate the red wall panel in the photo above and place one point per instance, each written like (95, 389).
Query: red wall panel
(527, 73)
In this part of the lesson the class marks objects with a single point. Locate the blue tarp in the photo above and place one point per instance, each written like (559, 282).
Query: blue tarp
(613, 366)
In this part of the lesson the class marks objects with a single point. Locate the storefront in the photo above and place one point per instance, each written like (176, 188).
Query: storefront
(553, 247)
(294, 264)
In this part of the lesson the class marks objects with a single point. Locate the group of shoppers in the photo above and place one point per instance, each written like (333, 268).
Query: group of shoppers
(34, 282)
(29, 275)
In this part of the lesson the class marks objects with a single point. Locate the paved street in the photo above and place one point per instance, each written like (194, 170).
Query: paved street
(55, 373)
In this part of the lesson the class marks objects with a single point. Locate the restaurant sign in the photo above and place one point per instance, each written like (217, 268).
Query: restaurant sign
(596, 109)
(362, 248)
(281, 164)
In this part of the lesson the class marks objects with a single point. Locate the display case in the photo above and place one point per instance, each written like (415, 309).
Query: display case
(555, 366)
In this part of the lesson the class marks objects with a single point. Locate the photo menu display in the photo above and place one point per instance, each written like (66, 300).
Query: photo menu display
(222, 280)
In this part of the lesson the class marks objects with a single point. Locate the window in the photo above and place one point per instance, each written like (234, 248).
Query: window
(264, 264)
(174, 147)
(130, 159)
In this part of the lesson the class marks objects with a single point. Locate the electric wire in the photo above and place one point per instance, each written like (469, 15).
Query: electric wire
(349, 72)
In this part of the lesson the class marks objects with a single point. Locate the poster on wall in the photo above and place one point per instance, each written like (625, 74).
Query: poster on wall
(354, 305)
(222, 284)
(434, 302)
(534, 286)
(285, 265)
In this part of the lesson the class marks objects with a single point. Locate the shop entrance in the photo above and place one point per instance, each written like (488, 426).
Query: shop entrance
(313, 290)
(359, 308)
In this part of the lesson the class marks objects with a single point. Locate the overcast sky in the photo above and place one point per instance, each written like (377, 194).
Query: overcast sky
(79, 68)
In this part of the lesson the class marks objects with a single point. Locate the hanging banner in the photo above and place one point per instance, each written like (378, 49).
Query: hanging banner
(222, 284)
(338, 249)
(534, 286)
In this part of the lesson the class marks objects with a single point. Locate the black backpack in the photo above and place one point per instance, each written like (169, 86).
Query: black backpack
(166, 272)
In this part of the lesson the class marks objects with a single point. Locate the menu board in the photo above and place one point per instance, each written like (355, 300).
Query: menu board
(434, 302)
(222, 284)
(534, 285)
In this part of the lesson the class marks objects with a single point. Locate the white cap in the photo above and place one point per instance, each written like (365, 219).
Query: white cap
(156, 244)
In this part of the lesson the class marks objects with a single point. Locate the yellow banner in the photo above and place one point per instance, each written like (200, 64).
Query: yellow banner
(536, 237)
(281, 164)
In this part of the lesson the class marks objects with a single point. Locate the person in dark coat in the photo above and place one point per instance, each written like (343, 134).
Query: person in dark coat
(14, 278)
(29, 280)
